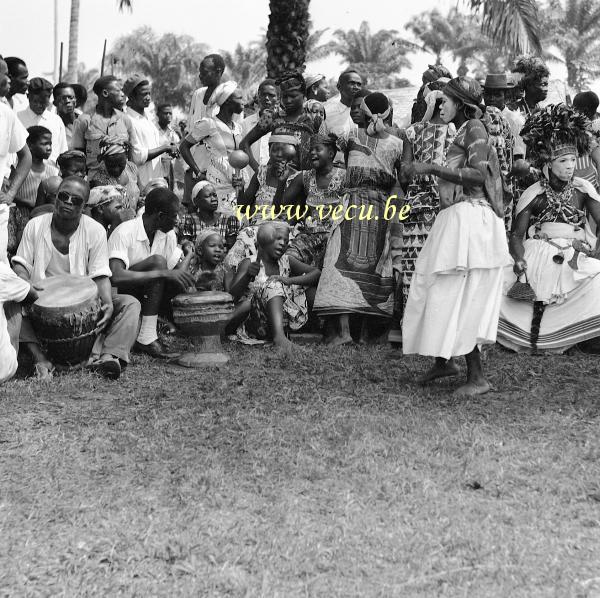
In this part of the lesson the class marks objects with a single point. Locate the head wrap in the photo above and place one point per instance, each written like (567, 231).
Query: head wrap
(312, 78)
(376, 126)
(198, 187)
(467, 91)
(328, 140)
(112, 149)
(554, 131)
(291, 80)
(222, 93)
(310, 104)
(104, 194)
(431, 96)
(157, 183)
(204, 234)
(282, 138)
(434, 72)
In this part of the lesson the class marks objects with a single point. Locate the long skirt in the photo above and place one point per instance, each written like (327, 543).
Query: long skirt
(570, 292)
(454, 299)
(357, 274)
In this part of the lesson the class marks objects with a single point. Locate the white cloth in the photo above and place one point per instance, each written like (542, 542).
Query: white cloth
(20, 102)
(12, 288)
(53, 123)
(337, 117)
(260, 148)
(130, 244)
(148, 138)
(516, 121)
(88, 251)
(13, 136)
(165, 137)
(199, 110)
(454, 299)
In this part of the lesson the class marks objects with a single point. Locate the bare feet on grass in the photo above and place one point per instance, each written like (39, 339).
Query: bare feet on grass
(472, 389)
(441, 369)
(284, 346)
(337, 340)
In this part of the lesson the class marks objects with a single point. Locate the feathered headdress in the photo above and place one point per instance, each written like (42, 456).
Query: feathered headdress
(554, 131)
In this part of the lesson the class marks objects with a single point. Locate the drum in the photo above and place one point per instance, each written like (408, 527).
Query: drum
(203, 315)
(65, 318)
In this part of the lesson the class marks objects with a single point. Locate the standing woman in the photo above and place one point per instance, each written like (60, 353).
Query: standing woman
(357, 273)
(221, 135)
(454, 300)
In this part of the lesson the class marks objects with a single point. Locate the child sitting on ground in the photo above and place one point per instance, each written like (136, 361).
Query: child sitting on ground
(276, 281)
(203, 214)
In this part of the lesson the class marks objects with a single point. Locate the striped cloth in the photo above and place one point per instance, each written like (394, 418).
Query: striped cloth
(28, 192)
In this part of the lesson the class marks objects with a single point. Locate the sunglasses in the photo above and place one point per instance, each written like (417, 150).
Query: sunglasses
(64, 197)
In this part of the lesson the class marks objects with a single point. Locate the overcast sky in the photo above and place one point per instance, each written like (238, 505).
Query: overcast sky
(27, 29)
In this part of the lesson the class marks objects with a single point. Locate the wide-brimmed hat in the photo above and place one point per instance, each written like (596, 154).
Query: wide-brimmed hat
(499, 81)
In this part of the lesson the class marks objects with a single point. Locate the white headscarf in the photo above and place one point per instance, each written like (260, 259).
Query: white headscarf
(222, 93)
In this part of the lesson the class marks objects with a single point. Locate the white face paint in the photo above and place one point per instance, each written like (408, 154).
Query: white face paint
(448, 109)
(563, 167)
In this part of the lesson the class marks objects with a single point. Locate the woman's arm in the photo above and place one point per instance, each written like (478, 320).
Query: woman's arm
(293, 194)
(473, 174)
(302, 274)
(252, 137)
(185, 148)
(249, 195)
(517, 250)
(246, 272)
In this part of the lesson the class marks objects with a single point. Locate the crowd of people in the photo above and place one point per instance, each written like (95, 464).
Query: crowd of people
(468, 221)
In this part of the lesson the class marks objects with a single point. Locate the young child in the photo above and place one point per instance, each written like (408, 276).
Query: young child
(14, 290)
(207, 266)
(203, 214)
(40, 146)
(277, 298)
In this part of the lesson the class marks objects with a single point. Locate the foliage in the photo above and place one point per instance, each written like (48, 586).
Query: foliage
(287, 35)
(170, 62)
(377, 56)
(573, 29)
(246, 64)
(513, 24)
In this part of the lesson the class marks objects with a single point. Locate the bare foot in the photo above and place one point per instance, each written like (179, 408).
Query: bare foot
(472, 389)
(284, 345)
(337, 340)
(439, 370)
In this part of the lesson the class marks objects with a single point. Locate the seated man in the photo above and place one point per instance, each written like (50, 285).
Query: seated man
(68, 242)
(145, 258)
(106, 207)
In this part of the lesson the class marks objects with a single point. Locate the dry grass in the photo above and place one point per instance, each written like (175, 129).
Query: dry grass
(330, 475)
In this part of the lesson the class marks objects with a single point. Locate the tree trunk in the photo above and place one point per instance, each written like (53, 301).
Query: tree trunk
(286, 36)
(73, 42)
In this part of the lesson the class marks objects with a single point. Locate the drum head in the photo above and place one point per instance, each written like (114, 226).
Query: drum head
(66, 290)
(202, 298)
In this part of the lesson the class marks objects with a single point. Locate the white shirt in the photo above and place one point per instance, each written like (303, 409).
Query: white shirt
(88, 251)
(130, 244)
(13, 136)
(12, 288)
(337, 117)
(53, 123)
(516, 121)
(148, 138)
(20, 102)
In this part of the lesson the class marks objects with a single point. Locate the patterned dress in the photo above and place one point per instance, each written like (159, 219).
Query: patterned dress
(262, 290)
(357, 274)
(429, 143)
(308, 246)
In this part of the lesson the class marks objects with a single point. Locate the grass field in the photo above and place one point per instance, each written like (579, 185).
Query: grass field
(332, 474)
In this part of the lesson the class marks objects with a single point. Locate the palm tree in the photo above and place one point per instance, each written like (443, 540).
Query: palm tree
(287, 35)
(380, 55)
(73, 42)
(246, 65)
(170, 62)
(435, 32)
(574, 29)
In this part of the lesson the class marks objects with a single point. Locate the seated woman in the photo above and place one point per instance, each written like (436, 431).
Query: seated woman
(116, 169)
(204, 214)
(551, 242)
(277, 298)
(105, 206)
(264, 184)
(319, 190)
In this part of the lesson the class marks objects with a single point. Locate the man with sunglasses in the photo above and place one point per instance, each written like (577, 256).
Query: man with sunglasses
(68, 242)
(147, 262)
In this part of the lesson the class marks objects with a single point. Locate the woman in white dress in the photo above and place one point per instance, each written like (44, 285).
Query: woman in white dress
(221, 135)
(454, 298)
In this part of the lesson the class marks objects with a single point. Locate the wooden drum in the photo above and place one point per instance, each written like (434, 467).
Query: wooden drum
(65, 318)
(203, 315)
